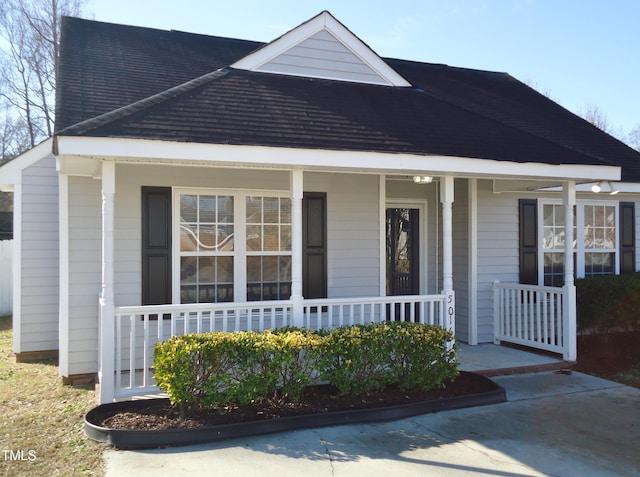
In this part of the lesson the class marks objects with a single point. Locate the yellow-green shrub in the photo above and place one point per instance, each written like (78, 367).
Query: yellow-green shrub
(213, 369)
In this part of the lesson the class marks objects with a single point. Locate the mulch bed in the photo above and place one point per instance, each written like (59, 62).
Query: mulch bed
(317, 399)
(607, 355)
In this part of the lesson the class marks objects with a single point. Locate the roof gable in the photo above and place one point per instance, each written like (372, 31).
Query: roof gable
(322, 48)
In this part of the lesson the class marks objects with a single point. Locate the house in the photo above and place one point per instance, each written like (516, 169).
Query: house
(199, 183)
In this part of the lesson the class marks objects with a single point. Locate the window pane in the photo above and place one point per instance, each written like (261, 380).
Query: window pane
(559, 215)
(188, 237)
(207, 206)
(225, 270)
(254, 269)
(254, 238)
(589, 218)
(207, 270)
(206, 294)
(285, 238)
(188, 269)
(285, 269)
(225, 209)
(254, 210)
(547, 211)
(207, 235)
(270, 269)
(271, 210)
(271, 238)
(225, 238)
(188, 208)
(188, 294)
(285, 210)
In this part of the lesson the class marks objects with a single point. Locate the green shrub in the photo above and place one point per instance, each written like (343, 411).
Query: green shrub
(355, 358)
(214, 369)
(421, 357)
(211, 369)
(608, 302)
(364, 358)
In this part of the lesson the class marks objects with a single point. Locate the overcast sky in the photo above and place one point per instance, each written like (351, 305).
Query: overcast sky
(579, 52)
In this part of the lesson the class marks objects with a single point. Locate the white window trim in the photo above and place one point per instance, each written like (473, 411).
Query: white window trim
(239, 252)
(579, 248)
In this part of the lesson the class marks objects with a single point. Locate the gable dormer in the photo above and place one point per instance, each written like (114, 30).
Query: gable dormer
(322, 48)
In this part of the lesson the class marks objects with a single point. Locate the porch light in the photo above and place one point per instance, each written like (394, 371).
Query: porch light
(422, 179)
(600, 185)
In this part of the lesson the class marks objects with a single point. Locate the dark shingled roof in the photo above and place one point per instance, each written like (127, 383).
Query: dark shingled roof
(121, 81)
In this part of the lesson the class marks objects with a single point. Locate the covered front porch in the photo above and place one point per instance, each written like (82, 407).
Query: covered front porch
(453, 290)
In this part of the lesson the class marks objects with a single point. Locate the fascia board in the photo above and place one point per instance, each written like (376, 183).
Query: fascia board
(10, 172)
(222, 155)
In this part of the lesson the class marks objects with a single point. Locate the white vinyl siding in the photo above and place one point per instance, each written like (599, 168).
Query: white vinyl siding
(352, 232)
(323, 56)
(85, 249)
(39, 263)
(497, 250)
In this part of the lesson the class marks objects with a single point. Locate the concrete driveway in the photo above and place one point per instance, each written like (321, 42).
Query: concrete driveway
(553, 424)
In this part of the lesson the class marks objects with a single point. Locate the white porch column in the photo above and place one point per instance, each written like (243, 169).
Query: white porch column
(446, 199)
(296, 187)
(569, 289)
(107, 333)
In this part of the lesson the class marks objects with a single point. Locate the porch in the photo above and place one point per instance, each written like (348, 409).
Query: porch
(525, 315)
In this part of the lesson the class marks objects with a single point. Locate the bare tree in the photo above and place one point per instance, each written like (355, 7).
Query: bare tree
(29, 44)
(593, 114)
(633, 138)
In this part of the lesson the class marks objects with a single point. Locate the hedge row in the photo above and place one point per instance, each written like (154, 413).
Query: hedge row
(215, 369)
(608, 303)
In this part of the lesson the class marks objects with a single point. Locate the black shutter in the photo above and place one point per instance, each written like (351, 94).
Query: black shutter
(314, 245)
(156, 245)
(528, 222)
(627, 238)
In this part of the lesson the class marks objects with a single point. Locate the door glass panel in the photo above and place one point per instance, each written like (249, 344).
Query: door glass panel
(402, 243)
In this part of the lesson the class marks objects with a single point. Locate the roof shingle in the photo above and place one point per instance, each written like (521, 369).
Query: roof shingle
(119, 81)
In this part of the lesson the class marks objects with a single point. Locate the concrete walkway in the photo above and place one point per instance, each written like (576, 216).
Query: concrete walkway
(554, 424)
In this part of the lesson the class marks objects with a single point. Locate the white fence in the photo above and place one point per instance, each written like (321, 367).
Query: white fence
(138, 328)
(529, 315)
(6, 277)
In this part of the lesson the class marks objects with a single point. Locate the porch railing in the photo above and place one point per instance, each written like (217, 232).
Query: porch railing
(139, 328)
(529, 315)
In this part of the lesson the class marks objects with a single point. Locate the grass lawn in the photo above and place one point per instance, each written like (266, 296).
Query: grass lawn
(43, 419)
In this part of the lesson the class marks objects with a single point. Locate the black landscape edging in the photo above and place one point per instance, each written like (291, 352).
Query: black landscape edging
(149, 439)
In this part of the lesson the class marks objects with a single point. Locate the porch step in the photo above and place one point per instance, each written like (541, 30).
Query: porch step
(491, 360)
(534, 368)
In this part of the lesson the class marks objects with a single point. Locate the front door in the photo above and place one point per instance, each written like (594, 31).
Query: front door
(403, 251)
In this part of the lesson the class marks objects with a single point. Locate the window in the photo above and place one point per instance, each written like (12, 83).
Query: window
(268, 248)
(553, 242)
(233, 246)
(595, 241)
(599, 229)
(206, 248)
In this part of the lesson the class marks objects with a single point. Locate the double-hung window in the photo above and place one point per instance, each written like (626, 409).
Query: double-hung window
(232, 246)
(595, 244)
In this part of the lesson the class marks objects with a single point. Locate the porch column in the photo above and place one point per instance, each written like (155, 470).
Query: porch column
(569, 289)
(296, 186)
(446, 199)
(107, 308)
